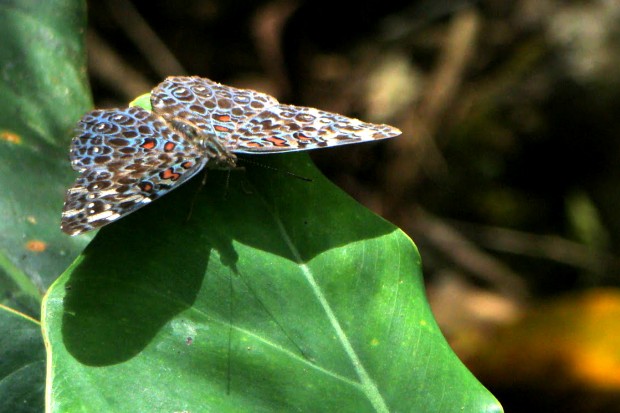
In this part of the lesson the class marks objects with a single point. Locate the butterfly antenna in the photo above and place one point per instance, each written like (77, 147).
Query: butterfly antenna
(262, 165)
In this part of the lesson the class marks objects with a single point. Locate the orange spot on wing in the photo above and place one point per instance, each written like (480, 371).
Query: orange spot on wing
(221, 128)
(169, 146)
(10, 137)
(276, 141)
(36, 245)
(170, 174)
(149, 144)
(186, 165)
(222, 118)
(253, 144)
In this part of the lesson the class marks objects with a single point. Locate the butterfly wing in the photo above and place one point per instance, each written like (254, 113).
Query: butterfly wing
(246, 121)
(213, 108)
(127, 158)
(288, 128)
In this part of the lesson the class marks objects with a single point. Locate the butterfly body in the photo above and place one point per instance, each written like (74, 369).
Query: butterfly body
(128, 157)
(217, 154)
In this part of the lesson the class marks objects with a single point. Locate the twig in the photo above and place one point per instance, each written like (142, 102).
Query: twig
(146, 40)
(455, 57)
(550, 247)
(267, 26)
(106, 65)
(467, 255)
(420, 126)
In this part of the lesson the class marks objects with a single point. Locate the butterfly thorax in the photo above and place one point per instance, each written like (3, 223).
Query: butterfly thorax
(217, 155)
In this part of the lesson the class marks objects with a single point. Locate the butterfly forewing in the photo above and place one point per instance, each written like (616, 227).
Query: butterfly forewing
(246, 121)
(285, 128)
(127, 158)
(215, 109)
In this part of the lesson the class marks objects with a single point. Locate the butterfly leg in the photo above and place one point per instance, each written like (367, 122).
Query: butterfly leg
(203, 182)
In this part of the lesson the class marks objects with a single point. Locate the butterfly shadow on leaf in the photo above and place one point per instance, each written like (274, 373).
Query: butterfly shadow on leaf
(141, 272)
(133, 278)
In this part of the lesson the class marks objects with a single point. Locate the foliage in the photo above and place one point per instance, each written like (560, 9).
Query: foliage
(258, 294)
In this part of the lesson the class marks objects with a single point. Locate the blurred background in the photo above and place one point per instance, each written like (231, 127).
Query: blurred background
(507, 175)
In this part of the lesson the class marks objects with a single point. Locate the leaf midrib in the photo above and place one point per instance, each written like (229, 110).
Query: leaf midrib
(368, 386)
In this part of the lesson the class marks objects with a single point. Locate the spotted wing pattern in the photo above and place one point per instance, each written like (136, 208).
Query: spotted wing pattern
(286, 128)
(246, 121)
(215, 109)
(127, 158)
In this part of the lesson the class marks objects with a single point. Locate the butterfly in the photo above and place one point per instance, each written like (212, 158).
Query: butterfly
(128, 157)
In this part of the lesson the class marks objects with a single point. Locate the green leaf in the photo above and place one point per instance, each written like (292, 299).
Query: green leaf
(143, 101)
(22, 364)
(276, 295)
(44, 92)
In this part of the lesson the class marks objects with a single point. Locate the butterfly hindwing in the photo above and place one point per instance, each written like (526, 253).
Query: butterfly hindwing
(127, 158)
